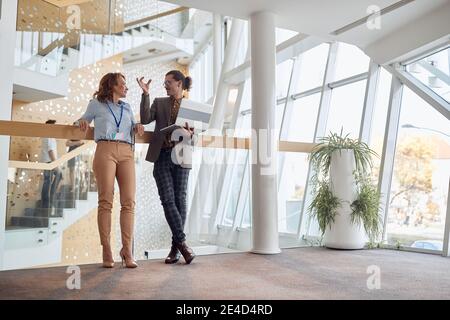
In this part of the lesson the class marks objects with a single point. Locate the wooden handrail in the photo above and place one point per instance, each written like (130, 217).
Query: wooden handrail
(57, 131)
(293, 146)
(69, 40)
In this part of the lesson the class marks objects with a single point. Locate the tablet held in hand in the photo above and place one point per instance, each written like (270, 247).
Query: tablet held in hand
(170, 128)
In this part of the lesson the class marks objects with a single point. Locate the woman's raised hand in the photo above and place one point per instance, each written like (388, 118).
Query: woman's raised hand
(145, 86)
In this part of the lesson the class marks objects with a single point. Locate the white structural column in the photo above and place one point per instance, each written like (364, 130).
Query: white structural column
(446, 246)
(7, 41)
(389, 146)
(320, 131)
(264, 169)
(203, 199)
(288, 110)
(283, 188)
(369, 102)
(217, 49)
(221, 96)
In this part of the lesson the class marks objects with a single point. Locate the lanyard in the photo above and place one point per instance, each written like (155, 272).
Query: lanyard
(115, 119)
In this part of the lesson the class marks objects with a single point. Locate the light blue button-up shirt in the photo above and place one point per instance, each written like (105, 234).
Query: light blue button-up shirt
(104, 124)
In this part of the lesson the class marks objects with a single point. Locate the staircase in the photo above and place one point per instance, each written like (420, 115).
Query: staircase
(36, 237)
(47, 54)
(39, 217)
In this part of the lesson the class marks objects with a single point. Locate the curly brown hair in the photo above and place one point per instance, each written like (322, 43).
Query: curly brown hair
(105, 88)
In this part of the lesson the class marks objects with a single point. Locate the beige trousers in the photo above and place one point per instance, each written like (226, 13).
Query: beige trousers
(115, 160)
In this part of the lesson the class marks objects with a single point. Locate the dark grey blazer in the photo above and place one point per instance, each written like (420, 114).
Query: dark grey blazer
(159, 111)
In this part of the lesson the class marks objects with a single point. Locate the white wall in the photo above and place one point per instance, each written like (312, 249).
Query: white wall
(7, 43)
(31, 255)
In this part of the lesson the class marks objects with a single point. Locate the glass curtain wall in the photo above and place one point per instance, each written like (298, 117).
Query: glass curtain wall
(417, 207)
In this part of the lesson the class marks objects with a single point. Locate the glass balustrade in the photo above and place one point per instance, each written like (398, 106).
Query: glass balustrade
(36, 194)
(219, 207)
(51, 41)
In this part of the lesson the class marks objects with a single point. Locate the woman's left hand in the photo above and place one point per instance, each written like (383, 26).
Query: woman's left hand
(139, 129)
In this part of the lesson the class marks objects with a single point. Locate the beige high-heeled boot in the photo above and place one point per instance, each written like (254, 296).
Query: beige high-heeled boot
(108, 261)
(104, 229)
(126, 229)
(127, 258)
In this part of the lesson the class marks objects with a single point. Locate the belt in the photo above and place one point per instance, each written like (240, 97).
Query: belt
(116, 141)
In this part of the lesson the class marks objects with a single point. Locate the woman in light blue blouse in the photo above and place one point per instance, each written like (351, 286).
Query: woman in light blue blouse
(114, 159)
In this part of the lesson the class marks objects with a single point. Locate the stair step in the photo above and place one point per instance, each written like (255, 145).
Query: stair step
(71, 196)
(30, 222)
(42, 212)
(70, 204)
(68, 188)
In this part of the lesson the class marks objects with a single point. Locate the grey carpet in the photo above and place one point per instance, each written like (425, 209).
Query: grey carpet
(301, 273)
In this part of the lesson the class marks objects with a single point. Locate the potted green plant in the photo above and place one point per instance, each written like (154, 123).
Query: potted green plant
(345, 201)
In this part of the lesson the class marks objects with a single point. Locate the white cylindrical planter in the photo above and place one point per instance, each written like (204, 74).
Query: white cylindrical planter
(264, 173)
(343, 234)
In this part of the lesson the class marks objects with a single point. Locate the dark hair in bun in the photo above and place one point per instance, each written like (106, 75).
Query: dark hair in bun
(179, 76)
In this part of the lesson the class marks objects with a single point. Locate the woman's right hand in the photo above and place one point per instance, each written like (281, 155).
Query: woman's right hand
(83, 124)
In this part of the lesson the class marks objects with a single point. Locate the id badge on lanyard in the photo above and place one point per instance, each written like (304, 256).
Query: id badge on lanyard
(117, 135)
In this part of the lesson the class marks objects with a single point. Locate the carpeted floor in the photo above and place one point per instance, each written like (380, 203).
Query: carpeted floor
(301, 273)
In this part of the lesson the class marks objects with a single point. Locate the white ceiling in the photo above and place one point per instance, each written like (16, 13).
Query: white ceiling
(158, 50)
(322, 17)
